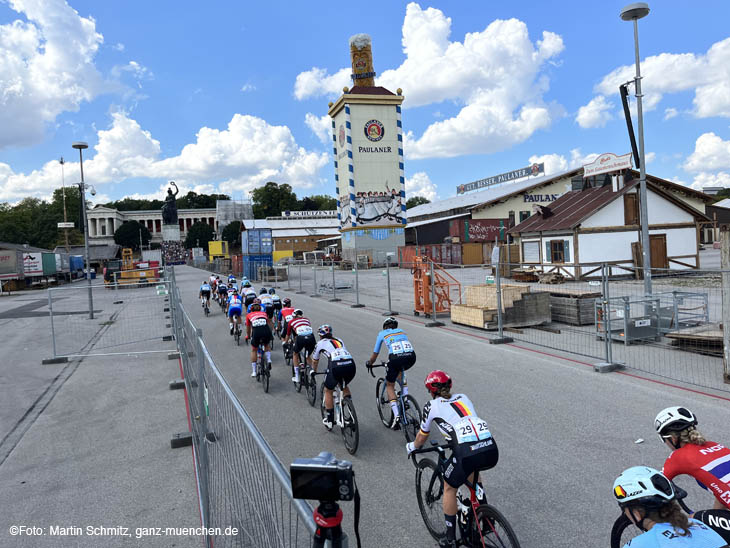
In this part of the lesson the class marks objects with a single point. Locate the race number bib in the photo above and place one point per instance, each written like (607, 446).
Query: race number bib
(340, 354)
(289, 317)
(258, 322)
(471, 429)
(304, 330)
(401, 347)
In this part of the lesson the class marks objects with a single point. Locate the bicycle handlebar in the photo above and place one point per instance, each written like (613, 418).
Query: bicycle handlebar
(373, 366)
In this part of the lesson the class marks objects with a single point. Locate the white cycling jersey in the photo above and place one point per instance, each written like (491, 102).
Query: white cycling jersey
(456, 419)
(334, 349)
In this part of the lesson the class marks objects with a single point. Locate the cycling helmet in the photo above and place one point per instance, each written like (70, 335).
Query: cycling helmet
(255, 307)
(436, 380)
(235, 291)
(298, 312)
(643, 486)
(246, 283)
(673, 419)
(263, 291)
(286, 301)
(272, 291)
(325, 330)
(256, 301)
(390, 323)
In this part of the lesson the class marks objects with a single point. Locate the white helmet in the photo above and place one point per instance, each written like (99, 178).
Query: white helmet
(673, 419)
(643, 486)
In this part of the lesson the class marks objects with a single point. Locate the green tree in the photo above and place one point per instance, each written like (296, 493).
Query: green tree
(193, 200)
(128, 235)
(199, 235)
(416, 201)
(724, 193)
(271, 199)
(318, 202)
(232, 233)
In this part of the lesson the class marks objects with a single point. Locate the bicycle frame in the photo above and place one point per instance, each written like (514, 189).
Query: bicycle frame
(401, 381)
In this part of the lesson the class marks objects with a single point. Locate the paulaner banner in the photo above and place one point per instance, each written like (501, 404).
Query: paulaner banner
(529, 171)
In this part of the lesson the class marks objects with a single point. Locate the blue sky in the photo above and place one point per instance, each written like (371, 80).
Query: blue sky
(225, 98)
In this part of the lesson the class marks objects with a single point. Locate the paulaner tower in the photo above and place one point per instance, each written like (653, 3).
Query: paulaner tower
(368, 149)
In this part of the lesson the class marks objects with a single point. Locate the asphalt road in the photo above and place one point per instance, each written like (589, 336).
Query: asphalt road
(564, 432)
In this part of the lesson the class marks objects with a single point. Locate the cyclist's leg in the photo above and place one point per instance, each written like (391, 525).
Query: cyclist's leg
(346, 373)
(330, 381)
(254, 353)
(392, 371)
(408, 363)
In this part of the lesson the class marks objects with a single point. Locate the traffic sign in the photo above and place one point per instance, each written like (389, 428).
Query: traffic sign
(66, 225)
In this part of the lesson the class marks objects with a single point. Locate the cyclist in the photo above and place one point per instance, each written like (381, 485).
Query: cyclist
(299, 332)
(276, 300)
(204, 294)
(258, 331)
(235, 309)
(267, 303)
(401, 357)
(255, 301)
(285, 315)
(231, 279)
(341, 368)
(706, 461)
(647, 498)
(222, 289)
(248, 292)
(472, 444)
(212, 280)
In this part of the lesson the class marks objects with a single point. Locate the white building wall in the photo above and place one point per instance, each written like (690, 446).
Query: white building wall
(662, 211)
(606, 246)
(611, 215)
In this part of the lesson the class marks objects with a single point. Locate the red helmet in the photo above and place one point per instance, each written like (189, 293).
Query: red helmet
(436, 380)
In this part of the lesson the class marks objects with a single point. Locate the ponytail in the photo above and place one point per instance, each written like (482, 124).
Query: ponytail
(692, 435)
(672, 514)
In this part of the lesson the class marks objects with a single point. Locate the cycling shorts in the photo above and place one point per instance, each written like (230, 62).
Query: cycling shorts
(342, 370)
(277, 305)
(398, 363)
(470, 457)
(249, 299)
(261, 336)
(222, 291)
(717, 520)
(305, 341)
(283, 327)
(205, 294)
(234, 311)
(269, 312)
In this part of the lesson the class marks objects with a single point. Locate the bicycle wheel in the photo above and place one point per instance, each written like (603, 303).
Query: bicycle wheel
(491, 529)
(411, 417)
(350, 430)
(382, 403)
(322, 408)
(266, 375)
(429, 492)
(297, 385)
(311, 390)
(623, 531)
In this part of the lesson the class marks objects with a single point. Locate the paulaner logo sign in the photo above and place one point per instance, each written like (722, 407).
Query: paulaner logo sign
(530, 171)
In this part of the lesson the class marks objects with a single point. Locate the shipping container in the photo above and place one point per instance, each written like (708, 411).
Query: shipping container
(49, 264)
(218, 249)
(484, 230)
(435, 253)
(152, 255)
(407, 255)
(76, 263)
(251, 264)
(471, 253)
(257, 241)
(456, 229)
(456, 254)
(446, 254)
(11, 264)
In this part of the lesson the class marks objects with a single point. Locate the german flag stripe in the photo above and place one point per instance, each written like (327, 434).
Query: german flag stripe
(336, 343)
(461, 409)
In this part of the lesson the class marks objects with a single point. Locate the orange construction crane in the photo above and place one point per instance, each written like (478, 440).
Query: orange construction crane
(443, 284)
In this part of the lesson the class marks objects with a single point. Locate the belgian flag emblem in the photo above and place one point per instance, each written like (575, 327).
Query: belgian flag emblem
(619, 492)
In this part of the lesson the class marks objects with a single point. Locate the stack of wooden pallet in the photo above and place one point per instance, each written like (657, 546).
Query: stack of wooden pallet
(573, 306)
(520, 307)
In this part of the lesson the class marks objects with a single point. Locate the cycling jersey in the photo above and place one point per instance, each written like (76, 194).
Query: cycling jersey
(277, 301)
(301, 327)
(222, 288)
(266, 300)
(235, 301)
(455, 418)
(247, 290)
(205, 288)
(396, 341)
(260, 332)
(341, 365)
(286, 314)
(709, 464)
(232, 280)
(333, 349)
(663, 535)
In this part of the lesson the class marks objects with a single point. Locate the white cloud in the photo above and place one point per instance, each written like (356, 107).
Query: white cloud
(555, 163)
(321, 126)
(246, 154)
(594, 114)
(47, 67)
(493, 73)
(118, 46)
(711, 153)
(707, 74)
(420, 185)
(248, 87)
(670, 113)
(649, 157)
(701, 180)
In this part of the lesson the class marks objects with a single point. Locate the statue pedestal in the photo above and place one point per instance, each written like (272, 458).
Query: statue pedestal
(171, 233)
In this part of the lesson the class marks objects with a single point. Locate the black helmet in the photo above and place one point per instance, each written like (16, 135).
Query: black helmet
(390, 323)
(263, 290)
(286, 301)
(298, 312)
(272, 291)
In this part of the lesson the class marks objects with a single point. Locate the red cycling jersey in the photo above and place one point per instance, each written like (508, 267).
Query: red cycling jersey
(257, 319)
(287, 313)
(298, 326)
(709, 464)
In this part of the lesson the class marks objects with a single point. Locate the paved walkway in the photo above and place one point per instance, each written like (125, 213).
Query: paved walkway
(86, 445)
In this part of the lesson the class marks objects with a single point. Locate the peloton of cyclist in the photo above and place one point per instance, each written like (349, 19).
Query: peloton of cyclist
(708, 462)
(258, 331)
(472, 444)
(235, 309)
(341, 368)
(299, 333)
(647, 498)
(401, 357)
(205, 293)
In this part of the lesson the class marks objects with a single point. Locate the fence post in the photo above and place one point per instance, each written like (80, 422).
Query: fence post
(314, 282)
(609, 365)
(201, 440)
(501, 339)
(53, 332)
(288, 277)
(300, 292)
(276, 276)
(357, 286)
(390, 311)
(334, 298)
(725, 265)
(433, 322)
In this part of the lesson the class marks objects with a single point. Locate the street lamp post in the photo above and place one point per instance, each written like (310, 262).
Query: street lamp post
(634, 12)
(80, 145)
(63, 186)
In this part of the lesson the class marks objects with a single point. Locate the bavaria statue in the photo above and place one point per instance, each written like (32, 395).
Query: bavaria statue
(169, 208)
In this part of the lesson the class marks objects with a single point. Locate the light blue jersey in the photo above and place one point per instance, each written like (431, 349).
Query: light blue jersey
(396, 341)
(205, 287)
(663, 535)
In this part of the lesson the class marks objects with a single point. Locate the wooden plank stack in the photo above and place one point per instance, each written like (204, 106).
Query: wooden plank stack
(521, 308)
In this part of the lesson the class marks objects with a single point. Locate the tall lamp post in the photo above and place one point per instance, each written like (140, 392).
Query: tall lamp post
(634, 12)
(63, 184)
(80, 145)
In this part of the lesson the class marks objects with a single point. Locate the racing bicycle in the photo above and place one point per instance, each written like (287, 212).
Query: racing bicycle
(410, 412)
(206, 308)
(345, 416)
(305, 368)
(263, 372)
(237, 333)
(480, 525)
